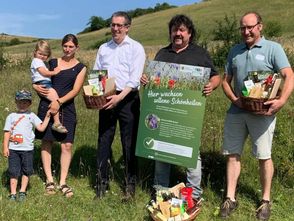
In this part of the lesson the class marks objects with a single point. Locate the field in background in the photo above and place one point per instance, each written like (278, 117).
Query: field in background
(82, 206)
(151, 29)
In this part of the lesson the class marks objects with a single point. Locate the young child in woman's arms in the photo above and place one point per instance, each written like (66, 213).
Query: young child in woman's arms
(42, 76)
(18, 143)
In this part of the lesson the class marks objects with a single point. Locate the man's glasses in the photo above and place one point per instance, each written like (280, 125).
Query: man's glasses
(249, 27)
(119, 26)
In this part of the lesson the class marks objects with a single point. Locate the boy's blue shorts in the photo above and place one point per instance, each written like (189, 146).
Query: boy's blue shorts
(20, 163)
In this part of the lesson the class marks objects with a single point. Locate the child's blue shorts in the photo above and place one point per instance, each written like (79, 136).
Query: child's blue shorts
(20, 163)
(45, 83)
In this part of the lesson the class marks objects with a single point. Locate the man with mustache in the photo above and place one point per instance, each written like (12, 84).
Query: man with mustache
(183, 50)
(254, 54)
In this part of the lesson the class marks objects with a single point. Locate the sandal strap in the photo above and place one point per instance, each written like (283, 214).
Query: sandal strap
(64, 186)
(59, 128)
(58, 125)
(48, 185)
(22, 193)
(67, 191)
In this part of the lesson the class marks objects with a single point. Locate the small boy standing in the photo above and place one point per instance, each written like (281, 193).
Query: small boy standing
(18, 141)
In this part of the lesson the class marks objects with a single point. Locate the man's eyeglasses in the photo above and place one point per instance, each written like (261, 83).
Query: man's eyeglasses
(119, 26)
(249, 27)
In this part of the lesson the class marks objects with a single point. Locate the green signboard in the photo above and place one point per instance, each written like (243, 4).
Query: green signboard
(172, 113)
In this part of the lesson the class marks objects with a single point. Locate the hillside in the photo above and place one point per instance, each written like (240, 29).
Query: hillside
(151, 29)
(7, 38)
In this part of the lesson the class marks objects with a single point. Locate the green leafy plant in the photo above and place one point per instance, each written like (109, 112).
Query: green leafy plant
(97, 22)
(15, 41)
(290, 56)
(273, 29)
(99, 43)
(226, 34)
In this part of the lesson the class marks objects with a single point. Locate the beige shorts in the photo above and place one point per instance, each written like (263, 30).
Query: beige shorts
(239, 126)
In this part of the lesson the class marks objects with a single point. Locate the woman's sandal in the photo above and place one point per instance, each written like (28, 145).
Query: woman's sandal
(50, 188)
(66, 190)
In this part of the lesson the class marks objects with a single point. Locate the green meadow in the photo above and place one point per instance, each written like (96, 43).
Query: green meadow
(152, 31)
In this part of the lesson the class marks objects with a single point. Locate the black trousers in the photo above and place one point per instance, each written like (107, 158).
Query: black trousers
(127, 114)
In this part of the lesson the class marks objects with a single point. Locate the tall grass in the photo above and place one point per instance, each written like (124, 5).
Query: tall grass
(83, 167)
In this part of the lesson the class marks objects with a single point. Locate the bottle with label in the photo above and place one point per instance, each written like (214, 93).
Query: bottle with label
(175, 209)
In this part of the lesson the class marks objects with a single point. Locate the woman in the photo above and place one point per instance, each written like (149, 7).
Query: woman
(67, 83)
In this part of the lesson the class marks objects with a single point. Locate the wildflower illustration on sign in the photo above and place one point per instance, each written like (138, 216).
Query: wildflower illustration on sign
(172, 113)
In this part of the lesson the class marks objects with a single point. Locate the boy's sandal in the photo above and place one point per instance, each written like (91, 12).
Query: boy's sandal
(22, 196)
(59, 128)
(12, 197)
(50, 188)
(66, 190)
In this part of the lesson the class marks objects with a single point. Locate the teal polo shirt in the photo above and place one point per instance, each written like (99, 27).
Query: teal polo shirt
(265, 55)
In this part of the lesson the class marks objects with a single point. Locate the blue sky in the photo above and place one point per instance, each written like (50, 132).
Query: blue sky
(55, 18)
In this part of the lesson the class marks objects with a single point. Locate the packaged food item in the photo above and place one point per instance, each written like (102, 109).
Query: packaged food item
(260, 84)
(99, 88)
(165, 208)
(259, 87)
(175, 208)
(275, 88)
(186, 194)
(97, 79)
(171, 204)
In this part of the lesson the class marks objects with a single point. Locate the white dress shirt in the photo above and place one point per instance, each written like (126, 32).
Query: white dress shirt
(124, 62)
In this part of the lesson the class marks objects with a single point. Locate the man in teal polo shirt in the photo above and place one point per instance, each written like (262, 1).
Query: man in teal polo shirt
(254, 54)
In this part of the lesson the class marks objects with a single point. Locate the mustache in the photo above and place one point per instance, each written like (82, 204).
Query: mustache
(177, 37)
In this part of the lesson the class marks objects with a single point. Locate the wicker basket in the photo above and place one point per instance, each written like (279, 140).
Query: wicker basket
(97, 102)
(254, 104)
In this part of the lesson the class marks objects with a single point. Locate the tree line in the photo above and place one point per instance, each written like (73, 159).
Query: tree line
(97, 22)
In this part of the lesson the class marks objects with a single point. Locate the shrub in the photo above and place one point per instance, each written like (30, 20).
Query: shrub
(220, 53)
(227, 33)
(97, 22)
(108, 33)
(290, 55)
(273, 29)
(15, 41)
(227, 30)
(200, 39)
(99, 43)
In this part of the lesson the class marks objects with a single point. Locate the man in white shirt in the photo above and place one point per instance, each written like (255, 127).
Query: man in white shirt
(124, 60)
